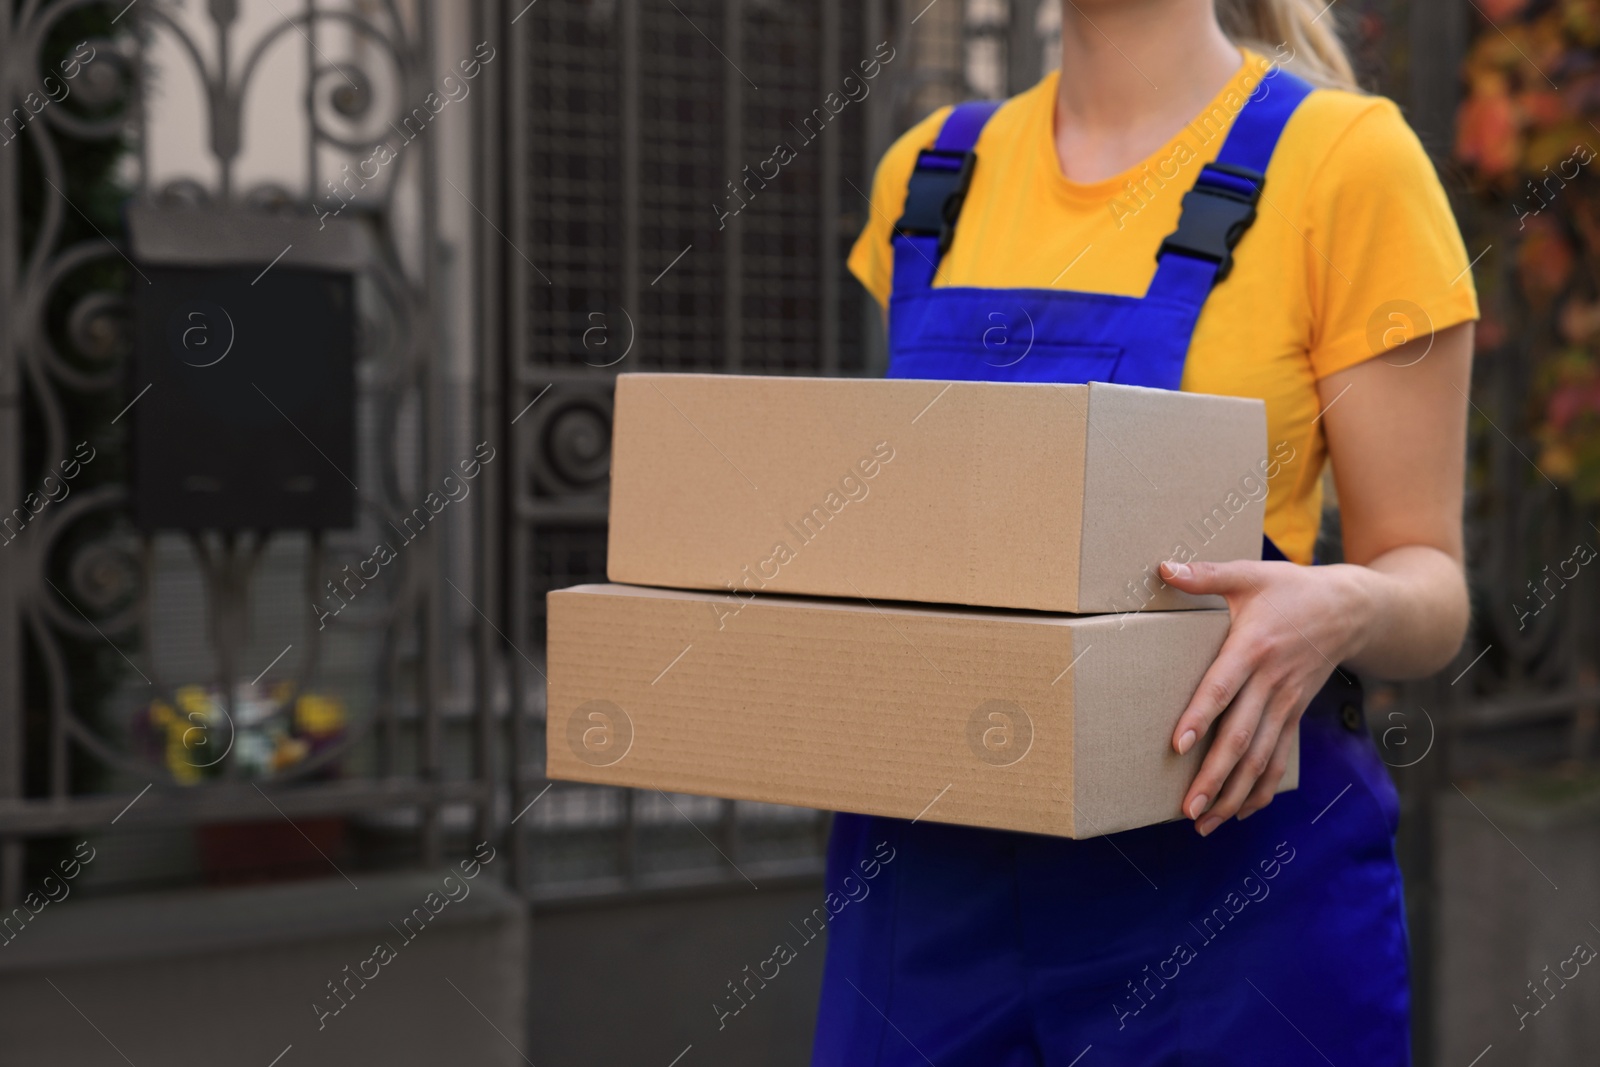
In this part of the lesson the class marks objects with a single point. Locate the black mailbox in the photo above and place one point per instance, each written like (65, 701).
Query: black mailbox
(243, 369)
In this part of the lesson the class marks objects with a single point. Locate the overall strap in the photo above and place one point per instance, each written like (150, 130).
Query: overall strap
(1222, 205)
(935, 193)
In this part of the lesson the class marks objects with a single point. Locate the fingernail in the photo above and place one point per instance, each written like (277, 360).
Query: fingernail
(1198, 805)
(1175, 570)
(1186, 742)
(1208, 824)
(1245, 813)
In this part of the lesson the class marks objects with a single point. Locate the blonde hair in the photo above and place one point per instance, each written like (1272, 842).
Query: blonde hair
(1299, 34)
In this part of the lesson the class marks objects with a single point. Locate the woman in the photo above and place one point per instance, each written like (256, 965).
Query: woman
(1174, 210)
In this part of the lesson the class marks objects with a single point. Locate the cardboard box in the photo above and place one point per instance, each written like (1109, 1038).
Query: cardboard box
(1045, 723)
(1017, 495)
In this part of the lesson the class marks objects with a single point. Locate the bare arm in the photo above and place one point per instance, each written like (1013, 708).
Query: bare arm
(1398, 441)
(1396, 429)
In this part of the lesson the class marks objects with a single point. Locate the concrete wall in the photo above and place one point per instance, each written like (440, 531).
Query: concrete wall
(1519, 891)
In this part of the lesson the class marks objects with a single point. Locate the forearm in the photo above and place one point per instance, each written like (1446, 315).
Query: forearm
(1408, 611)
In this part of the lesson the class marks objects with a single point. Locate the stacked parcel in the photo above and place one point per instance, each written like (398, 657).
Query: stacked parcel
(905, 598)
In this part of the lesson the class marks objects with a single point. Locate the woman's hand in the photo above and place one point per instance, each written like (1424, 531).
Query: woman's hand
(1291, 627)
(1396, 608)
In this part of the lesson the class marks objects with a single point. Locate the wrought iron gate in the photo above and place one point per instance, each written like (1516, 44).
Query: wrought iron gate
(100, 623)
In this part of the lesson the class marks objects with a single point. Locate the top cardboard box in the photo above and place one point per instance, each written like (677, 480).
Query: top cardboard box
(1048, 497)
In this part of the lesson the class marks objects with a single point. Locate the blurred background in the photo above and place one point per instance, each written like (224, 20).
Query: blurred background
(311, 315)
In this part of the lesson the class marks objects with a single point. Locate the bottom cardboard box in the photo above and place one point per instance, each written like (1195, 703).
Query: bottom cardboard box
(1054, 724)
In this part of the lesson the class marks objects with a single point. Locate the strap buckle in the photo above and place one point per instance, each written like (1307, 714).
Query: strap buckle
(1215, 215)
(934, 196)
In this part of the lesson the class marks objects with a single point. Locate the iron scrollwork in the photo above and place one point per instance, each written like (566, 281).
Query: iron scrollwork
(80, 573)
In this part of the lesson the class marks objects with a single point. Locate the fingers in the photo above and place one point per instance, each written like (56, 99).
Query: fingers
(1266, 788)
(1236, 732)
(1252, 768)
(1202, 577)
(1222, 682)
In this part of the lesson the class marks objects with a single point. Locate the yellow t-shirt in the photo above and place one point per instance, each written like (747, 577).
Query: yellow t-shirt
(1353, 250)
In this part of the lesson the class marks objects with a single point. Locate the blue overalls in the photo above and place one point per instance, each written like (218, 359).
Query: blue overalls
(1277, 940)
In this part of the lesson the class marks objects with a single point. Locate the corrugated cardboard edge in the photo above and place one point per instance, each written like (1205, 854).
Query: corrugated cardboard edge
(1080, 409)
(1116, 461)
(623, 401)
(1122, 656)
(1123, 662)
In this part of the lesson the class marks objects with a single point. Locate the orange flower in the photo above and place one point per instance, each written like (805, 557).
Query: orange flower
(1544, 262)
(1541, 107)
(1487, 134)
(1500, 10)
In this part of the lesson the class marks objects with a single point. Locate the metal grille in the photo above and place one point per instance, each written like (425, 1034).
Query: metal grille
(683, 107)
(666, 230)
(572, 179)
